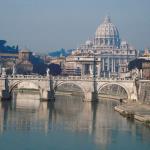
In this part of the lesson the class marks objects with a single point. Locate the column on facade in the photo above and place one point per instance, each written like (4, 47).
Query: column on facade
(100, 41)
(83, 69)
(103, 63)
(104, 75)
(112, 65)
(98, 70)
(91, 69)
(109, 42)
(119, 62)
(103, 41)
(108, 66)
(109, 74)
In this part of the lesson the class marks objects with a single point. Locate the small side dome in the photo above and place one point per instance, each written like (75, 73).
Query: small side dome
(88, 42)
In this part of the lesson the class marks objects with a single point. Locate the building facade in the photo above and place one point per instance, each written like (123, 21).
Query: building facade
(24, 64)
(110, 53)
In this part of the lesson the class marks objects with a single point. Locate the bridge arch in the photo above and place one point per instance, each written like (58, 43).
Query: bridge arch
(75, 84)
(23, 85)
(27, 85)
(107, 88)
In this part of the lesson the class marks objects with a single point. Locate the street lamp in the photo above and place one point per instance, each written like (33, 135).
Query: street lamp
(94, 93)
(51, 93)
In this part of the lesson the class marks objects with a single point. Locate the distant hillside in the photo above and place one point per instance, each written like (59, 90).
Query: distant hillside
(6, 48)
(61, 52)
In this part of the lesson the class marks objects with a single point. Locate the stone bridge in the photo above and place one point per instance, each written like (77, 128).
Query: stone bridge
(40, 84)
(104, 86)
(86, 86)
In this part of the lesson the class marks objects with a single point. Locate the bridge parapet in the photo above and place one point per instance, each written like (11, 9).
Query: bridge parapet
(17, 77)
(90, 78)
(63, 78)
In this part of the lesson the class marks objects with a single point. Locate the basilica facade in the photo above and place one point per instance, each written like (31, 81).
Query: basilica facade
(110, 53)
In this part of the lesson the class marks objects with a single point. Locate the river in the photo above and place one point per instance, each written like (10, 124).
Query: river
(67, 124)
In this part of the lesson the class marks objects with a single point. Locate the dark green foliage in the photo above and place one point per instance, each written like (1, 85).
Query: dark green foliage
(60, 52)
(39, 66)
(55, 69)
(7, 49)
(136, 63)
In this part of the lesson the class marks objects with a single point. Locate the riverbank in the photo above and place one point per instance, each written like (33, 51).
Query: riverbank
(140, 112)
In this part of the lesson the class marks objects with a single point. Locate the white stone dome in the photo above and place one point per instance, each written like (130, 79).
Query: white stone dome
(107, 34)
(106, 29)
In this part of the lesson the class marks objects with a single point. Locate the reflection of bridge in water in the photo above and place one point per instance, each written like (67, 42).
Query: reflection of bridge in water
(106, 87)
(69, 114)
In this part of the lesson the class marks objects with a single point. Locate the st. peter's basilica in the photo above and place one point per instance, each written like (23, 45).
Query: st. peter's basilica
(111, 54)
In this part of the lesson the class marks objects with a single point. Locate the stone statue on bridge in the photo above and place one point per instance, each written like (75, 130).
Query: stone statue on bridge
(135, 73)
(47, 72)
(3, 72)
(14, 70)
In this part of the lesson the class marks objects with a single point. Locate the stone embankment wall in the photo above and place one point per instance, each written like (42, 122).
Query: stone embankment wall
(144, 91)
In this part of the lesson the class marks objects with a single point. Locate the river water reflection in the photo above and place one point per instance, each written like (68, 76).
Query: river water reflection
(68, 124)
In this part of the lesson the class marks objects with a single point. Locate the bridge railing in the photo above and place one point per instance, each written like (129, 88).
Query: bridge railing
(25, 77)
(89, 78)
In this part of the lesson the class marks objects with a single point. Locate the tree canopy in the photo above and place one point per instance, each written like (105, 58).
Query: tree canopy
(55, 69)
(136, 63)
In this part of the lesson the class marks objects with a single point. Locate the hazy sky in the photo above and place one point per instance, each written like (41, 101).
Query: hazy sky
(44, 25)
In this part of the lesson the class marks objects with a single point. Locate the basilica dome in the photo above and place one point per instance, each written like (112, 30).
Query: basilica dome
(107, 29)
(107, 34)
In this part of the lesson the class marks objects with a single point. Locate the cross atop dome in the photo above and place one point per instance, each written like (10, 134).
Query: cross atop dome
(107, 19)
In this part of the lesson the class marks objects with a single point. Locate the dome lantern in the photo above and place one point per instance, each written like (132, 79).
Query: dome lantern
(107, 19)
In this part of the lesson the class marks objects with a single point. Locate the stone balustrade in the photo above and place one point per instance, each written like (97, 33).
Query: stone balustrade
(89, 78)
